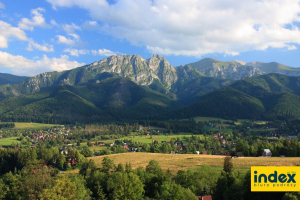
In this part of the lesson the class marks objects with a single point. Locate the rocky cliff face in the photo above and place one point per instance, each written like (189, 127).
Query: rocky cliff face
(238, 70)
(235, 70)
(139, 70)
(155, 72)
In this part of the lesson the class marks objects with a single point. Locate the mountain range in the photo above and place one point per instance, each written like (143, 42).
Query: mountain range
(267, 97)
(130, 87)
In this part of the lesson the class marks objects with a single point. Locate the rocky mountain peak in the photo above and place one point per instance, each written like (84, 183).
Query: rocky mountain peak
(157, 61)
(240, 62)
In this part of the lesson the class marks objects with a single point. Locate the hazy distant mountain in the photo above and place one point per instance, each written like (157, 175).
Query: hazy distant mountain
(11, 79)
(271, 96)
(237, 70)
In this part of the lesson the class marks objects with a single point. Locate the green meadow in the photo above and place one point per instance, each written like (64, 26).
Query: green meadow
(8, 141)
(27, 125)
(150, 138)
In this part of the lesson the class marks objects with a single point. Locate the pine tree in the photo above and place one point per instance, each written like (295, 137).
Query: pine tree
(228, 166)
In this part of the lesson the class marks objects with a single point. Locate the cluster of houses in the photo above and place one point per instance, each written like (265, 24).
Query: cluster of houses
(50, 134)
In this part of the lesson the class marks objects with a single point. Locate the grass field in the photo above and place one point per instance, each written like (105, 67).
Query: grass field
(24, 125)
(8, 141)
(175, 162)
(148, 139)
(203, 119)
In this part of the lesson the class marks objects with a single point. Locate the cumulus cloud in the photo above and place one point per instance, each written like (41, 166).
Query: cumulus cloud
(197, 27)
(2, 6)
(90, 25)
(37, 20)
(53, 22)
(100, 52)
(7, 31)
(77, 52)
(46, 47)
(103, 52)
(74, 40)
(70, 28)
(26, 67)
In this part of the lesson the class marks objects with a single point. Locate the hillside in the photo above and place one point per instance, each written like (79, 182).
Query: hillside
(11, 79)
(226, 70)
(237, 70)
(155, 72)
(267, 97)
(175, 162)
(110, 99)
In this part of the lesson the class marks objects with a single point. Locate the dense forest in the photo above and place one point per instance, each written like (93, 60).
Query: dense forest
(32, 178)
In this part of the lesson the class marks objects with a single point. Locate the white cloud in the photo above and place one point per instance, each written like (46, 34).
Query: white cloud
(103, 52)
(74, 41)
(7, 32)
(53, 22)
(90, 25)
(70, 28)
(2, 6)
(46, 47)
(26, 67)
(291, 47)
(37, 20)
(77, 52)
(197, 27)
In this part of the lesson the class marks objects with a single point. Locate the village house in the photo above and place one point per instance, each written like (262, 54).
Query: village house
(224, 153)
(206, 197)
(101, 144)
(215, 152)
(64, 150)
(177, 143)
(134, 149)
(72, 161)
(223, 141)
(266, 153)
(204, 152)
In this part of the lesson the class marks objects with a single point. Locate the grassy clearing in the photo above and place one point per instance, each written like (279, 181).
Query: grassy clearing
(97, 148)
(74, 171)
(24, 125)
(239, 122)
(148, 139)
(203, 119)
(8, 141)
(175, 162)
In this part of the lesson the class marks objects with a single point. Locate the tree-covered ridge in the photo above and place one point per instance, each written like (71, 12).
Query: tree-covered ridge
(11, 79)
(268, 97)
(110, 99)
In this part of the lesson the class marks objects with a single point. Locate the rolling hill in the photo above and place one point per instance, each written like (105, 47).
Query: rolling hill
(110, 99)
(268, 97)
(11, 79)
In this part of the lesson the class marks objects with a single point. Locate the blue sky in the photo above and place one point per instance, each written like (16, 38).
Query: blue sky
(54, 35)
